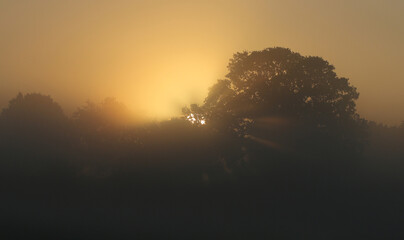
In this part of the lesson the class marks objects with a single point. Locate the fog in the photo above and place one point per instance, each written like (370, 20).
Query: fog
(201, 119)
(158, 56)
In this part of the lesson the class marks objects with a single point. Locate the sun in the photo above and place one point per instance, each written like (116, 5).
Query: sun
(195, 118)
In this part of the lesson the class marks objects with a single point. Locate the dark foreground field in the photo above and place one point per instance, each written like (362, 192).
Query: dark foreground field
(289, 201)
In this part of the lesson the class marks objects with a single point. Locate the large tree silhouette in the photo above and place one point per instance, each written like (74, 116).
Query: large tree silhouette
(276, 83)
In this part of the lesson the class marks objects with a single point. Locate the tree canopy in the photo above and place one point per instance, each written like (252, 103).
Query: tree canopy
(282, 84)
(33, 113)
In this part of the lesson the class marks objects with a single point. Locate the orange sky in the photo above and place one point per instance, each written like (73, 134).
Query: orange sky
(157, 56)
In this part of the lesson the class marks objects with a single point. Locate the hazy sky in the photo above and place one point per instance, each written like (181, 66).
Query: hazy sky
(157, 56)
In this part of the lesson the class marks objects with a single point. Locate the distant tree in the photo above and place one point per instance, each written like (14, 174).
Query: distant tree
(109, 114)
(34, 134)
(33, 116)
(102, 136)
(279, 83)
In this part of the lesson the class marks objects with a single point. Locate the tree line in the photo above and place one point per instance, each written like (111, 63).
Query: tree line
(280, 134)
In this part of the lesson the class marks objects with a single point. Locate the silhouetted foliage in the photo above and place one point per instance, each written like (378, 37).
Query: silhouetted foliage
(273, 87)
